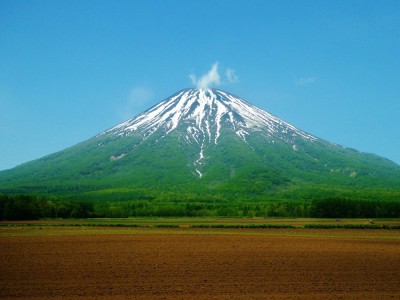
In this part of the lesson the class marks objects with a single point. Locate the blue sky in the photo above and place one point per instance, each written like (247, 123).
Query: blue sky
(71, 69)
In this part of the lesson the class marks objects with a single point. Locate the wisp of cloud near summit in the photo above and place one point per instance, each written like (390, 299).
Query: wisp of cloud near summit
(138, 98)
(304, 80)
(212, 78)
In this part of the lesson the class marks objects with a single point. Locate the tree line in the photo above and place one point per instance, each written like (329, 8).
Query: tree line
(28, 207)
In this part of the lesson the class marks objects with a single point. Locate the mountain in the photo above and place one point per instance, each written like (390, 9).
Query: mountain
(205, 144)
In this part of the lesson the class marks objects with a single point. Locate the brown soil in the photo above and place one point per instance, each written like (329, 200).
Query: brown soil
(189, 266)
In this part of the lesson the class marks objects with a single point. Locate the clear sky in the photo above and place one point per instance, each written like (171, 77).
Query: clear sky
(72, 69)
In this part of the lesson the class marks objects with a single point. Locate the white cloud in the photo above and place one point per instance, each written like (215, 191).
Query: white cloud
(138, 97)
(304, 80)
(231, 76)
(213, 78)
(193, 79)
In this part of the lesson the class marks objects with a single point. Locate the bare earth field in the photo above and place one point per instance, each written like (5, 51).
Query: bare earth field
(185, 263)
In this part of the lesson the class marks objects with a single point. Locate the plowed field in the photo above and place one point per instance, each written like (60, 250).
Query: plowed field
(201, 265)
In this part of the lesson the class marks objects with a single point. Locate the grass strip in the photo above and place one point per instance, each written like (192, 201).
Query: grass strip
(242, 226)
(215, 226)
(350, 226)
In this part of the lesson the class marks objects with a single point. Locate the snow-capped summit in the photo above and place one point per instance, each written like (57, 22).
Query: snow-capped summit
(200, 115)
(204, 112)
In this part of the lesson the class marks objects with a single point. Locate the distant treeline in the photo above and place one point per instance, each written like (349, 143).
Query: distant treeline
(344, 208)
(26, 207)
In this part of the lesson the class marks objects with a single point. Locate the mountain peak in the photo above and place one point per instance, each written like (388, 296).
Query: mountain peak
(200, 115)
(207, 111)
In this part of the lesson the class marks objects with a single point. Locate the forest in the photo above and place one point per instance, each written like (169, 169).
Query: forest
(28, 207)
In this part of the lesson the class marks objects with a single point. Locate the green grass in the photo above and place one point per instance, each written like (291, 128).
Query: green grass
(191, 221)
(43, 231)
(203, 221)
(248, 226)
(351, 226)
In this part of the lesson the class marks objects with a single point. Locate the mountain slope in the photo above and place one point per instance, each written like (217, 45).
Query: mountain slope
(202, 144)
